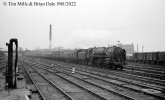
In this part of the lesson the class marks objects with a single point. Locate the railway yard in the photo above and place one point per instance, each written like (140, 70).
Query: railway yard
(94, 50)
(56, 80)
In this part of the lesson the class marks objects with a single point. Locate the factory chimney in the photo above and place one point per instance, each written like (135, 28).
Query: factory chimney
(50, 38)
(137, 47)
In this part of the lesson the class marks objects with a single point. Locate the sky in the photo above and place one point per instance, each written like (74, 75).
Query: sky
(89, 23)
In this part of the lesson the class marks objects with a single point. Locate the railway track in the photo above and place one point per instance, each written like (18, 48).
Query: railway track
(134, 77)
(29, 83)
(148, 72)
(120, 88)
(93, 93)
(106, 94)
(158, 74)
(45, 87)
(2, 68)
(3, 63)
(147, 68)
(153, 82)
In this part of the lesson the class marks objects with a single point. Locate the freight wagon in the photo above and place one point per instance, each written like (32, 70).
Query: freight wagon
(156, 58)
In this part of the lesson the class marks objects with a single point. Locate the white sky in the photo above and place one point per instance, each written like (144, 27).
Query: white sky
(89, 23)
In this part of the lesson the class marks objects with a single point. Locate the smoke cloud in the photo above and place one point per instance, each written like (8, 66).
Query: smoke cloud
(89, 38)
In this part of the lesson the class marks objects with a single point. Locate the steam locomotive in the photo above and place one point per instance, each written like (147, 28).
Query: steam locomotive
(109, 57)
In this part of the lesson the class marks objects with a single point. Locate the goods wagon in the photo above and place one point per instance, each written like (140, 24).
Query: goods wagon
(161, 59)
(157, 58)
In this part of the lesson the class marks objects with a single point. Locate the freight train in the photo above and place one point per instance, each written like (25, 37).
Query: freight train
(109, 57)
(156, 58)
